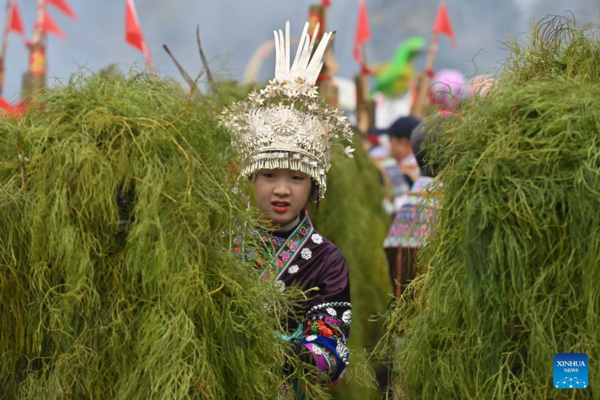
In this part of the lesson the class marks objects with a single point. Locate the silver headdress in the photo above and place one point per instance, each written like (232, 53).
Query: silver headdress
(287, 124)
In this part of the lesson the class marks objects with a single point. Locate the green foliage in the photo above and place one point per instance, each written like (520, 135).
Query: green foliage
(155, 308)
(509, 276)
(352, 217)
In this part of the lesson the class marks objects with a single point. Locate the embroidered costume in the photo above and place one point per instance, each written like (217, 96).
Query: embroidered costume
(412, 222)
(288, 126)
(304, 258)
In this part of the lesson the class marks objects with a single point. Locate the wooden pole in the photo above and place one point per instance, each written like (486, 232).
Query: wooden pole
(5, 33)
(35, 79)
(365, 108)
(399, 273)
(420, 107)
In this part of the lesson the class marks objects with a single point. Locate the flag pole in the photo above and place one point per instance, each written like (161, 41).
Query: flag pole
(5, 41)
(420, 106)
(35, 78)
(365, 108)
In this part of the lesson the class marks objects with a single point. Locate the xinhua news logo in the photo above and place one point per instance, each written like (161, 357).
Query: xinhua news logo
(571, 371)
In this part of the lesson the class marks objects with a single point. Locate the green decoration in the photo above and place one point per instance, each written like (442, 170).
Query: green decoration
(510, 274)
(116, 275)
(392, 78)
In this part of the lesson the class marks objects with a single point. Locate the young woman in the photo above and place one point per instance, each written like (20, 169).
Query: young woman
(284, 135)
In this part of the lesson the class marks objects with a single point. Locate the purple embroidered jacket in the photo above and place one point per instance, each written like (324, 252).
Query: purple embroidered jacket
(306, 259)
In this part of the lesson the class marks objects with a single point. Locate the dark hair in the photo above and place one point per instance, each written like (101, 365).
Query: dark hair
(423, 135)
(314, 193)
(402, 127)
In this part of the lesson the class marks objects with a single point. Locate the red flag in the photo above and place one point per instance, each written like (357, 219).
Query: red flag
(50, 26)
(363, 33)
(63, 6)
(133, 31)
(5, 105)
(16, 22)
(325, 3)
(442, 24)
(12, 109)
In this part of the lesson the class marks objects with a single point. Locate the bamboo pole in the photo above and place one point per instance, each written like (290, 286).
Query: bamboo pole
(5, 33)
(365, 108)
(422, 102)
(35, 79)
(399, 265)
(420, 107)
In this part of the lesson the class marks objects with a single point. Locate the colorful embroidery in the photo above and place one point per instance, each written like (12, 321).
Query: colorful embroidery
(284, 250)
(287, 252)
(333, 321)
(412, 223)
(323, 327)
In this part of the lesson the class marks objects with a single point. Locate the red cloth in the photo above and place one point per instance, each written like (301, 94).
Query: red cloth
(443, 25)
(16, 22)
(363, 33)
(63, 6)
(374, 140)
(50, 26)
(133, 31)
(12, 109)
(5, 105)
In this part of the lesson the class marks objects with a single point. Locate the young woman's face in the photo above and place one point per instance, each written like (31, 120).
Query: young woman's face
(281, 194)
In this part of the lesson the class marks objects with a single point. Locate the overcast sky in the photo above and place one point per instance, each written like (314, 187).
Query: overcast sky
(233, 29)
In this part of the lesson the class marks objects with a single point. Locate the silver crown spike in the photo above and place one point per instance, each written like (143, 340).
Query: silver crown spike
(307, 65)
(288, 46)
(277, 56)
(303, 38)
(316, 62)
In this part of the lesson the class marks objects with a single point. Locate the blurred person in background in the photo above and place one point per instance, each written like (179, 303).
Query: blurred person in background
(412, 222)
(393, 154)
(400, 148)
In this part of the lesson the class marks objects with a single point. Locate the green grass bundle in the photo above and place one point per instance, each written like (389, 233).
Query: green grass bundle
(116, 277)
(352, 217)
(510, 275)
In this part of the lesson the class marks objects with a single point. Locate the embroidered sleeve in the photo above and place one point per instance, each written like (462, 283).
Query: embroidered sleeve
(327, 324)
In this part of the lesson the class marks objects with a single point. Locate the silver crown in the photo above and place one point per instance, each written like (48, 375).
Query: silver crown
(287, 124)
